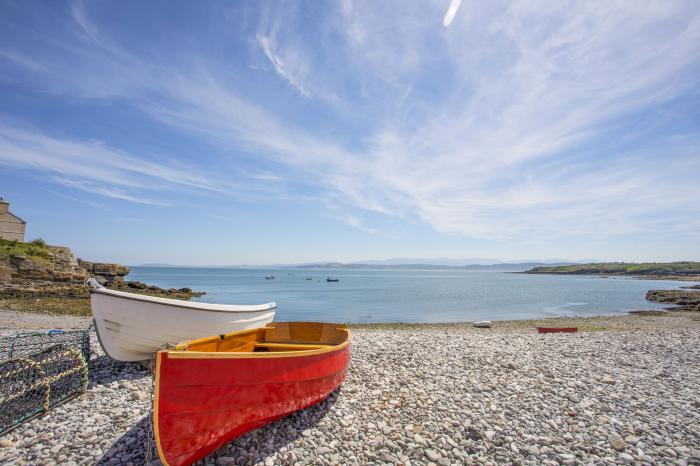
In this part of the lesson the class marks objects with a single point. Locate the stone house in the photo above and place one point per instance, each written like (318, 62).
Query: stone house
(11, 226)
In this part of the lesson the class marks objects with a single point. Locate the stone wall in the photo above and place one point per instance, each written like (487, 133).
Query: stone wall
(11, 228)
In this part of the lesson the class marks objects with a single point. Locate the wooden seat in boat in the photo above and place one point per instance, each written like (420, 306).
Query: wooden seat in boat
(276, 337)
(288, 346)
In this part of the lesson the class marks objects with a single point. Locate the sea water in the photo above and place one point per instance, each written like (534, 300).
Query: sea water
(409, 295)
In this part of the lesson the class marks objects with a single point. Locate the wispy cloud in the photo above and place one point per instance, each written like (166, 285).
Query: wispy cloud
(79, 14)
(516, 121)
(87, 202)
(23, 61)
(93, 167)
(268, 45)
(357, 223)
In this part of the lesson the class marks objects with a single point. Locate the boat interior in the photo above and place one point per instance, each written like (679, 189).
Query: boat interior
(276, 337)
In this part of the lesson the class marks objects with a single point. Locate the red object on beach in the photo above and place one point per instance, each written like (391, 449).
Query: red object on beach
(212, 390)
(557, 329)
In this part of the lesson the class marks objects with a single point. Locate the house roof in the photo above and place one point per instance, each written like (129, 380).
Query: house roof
(4, 215)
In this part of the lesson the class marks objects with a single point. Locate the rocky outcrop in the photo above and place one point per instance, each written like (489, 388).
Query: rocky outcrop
(58, 264)
(55, 272)
(105, 273)
(38, 289)
(645, 312)
(5, 272)
(143, 288)
(686, 299)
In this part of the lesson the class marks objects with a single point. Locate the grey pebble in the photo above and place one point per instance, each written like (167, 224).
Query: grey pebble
(434, 394)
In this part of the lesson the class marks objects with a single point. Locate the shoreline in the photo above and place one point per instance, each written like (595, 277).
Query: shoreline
(75, 302)
(677, 278)
(27, 320)
(433, 394)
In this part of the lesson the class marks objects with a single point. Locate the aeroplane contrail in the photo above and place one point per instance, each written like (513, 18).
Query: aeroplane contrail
(451, 12)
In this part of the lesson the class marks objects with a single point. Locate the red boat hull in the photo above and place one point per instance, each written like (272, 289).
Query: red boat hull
(203, 402)
(557, 329)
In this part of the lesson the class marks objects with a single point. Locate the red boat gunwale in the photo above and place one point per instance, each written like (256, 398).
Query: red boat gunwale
(557, 329)
(212, 397)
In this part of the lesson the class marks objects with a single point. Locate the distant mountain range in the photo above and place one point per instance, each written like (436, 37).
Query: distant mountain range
(471, 261)
(515, 266)
(405, 264)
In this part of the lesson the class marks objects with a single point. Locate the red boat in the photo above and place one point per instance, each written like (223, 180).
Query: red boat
(557, 329)
(212, 390)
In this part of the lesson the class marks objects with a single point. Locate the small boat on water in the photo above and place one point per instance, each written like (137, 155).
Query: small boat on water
(332, 279)
(269, 277)
(482, 324)
(131, 327)
(557, 329)
(212, 390)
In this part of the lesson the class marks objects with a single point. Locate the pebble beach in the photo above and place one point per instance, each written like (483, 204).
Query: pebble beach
(624, 390)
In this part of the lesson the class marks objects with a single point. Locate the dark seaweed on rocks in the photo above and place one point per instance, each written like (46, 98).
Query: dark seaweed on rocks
(684, 299)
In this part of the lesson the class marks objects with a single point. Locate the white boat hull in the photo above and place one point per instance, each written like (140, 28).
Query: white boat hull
(131, 327)
(482, 324)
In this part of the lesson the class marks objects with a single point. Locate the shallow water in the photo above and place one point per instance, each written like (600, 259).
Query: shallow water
(410, 296)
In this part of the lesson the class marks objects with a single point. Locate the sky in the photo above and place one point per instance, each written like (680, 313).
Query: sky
(228, 133)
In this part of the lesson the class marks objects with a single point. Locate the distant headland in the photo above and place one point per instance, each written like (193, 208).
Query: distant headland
(682, 270)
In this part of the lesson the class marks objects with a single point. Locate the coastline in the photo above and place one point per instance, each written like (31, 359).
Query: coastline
(423, 393)
(623, 390)
(26, 320)
(676, 278)
(79, 304)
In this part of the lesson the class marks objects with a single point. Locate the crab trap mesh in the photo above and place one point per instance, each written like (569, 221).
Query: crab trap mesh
(40, 370)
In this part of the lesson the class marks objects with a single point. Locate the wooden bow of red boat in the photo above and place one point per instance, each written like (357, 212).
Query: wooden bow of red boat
(212, 390)
(557, 329)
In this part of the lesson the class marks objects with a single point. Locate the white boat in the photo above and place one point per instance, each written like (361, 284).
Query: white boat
(131, 326)
(482, 324)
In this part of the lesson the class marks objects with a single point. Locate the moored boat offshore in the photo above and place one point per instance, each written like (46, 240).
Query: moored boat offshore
(212, 390)
(131, 327)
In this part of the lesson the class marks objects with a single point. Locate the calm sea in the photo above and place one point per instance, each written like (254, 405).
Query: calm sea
(409, 296)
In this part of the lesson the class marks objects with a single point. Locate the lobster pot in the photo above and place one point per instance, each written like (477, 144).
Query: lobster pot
(23, 392)
(24, 344)
(33, 382)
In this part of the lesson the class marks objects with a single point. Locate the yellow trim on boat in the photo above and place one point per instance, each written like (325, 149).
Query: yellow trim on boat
(250, 355)
(155, 408)
(316, 338)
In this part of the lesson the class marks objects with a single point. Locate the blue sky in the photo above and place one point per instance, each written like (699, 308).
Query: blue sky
(253, 132)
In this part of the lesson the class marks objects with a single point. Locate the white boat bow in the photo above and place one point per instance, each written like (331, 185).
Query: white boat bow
(131, 326)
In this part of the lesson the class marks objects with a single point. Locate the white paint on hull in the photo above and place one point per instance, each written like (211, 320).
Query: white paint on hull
(131, 326)
(482, 324)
